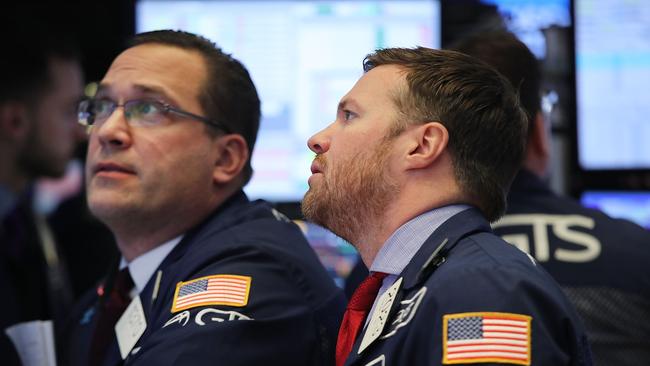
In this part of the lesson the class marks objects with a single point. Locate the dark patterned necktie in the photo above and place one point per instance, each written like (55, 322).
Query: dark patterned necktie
(111, 310)
(355, 314)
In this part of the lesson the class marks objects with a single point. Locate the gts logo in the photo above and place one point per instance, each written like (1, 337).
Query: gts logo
(564, 227)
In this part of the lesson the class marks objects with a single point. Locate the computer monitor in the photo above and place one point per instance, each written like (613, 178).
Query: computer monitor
(630, 205)
(529, 19)
(303, 57)
(612, 52)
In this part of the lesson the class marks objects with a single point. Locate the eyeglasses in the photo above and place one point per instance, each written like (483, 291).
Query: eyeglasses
(138, 112)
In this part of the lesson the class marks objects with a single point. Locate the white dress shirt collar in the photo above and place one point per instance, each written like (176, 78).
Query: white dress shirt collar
(143, 267)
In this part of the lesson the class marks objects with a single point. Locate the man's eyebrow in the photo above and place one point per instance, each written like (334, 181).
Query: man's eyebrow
(349, 103)
(151, 89)
(145, 89)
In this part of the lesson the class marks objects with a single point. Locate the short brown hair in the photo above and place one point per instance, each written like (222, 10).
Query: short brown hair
(513, 59)
(228, 96)
(481, 111)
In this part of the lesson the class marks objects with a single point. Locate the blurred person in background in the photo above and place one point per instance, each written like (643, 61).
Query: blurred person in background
(600, 262)
(41, 83)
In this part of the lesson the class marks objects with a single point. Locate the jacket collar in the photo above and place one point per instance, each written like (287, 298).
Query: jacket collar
(222, 218)
(448, 234)
(445, 238)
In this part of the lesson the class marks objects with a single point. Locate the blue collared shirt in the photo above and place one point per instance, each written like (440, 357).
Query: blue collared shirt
(405, 242)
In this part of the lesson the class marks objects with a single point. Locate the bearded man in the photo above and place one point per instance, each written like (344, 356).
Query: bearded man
(417, 163)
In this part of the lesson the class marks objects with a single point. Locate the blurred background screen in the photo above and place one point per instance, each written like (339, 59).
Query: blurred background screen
(612, 51)
(303, 57)
(630, 205)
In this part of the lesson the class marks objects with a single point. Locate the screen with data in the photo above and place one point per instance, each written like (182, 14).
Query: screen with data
(612, 40)
(303, 57)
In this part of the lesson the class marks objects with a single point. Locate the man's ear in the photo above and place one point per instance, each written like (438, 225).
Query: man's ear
(233, 155)
(14, 122)
(539, 140)
(426, 143)
(538, 147)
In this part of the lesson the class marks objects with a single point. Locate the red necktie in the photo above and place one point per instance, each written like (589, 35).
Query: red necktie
(355, 313)
(113, 307)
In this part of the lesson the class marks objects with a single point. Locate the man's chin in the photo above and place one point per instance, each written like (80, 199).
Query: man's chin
(307, 205)
(313, 208)
(105, 205)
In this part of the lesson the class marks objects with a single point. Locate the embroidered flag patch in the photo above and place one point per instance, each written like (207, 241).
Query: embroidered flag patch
(486, 337)
(231, 290)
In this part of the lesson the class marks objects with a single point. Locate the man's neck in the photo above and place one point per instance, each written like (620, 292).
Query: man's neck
(374, 235)
(138, 235)
(370, 241)
(134, 248)
(410, 204)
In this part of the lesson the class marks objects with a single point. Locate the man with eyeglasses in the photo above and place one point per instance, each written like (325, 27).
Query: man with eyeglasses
(205, 276)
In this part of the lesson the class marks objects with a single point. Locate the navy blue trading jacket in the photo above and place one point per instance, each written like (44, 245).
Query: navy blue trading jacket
(291, 315)
(600, 262)
(448, 302)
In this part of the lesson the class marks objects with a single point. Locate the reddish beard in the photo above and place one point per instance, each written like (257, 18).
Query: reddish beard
(353, 195)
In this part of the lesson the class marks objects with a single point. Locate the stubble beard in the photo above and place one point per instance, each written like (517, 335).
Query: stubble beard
(353, 199)
(36, 161)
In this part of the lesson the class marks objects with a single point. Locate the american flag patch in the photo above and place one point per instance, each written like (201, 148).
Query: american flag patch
(229, 290)
(486, 337)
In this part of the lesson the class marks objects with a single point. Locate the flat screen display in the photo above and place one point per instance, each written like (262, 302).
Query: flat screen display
(303, 57)
(612, 40)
